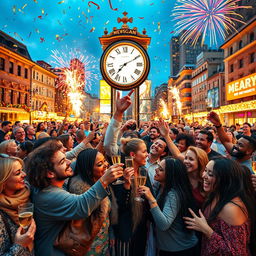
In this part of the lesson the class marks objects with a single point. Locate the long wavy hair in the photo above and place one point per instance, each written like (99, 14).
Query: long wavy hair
(232, 182)
(176, 178)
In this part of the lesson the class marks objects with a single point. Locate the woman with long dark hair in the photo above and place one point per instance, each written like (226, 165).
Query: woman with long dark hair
(173, 199)
(90, 166)
(229, 220)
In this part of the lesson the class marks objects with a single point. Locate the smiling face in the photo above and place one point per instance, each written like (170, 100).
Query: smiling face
(209, 178)
(181, 145)
(62, 169)
(191, 161)
(140, 156)
(202, 142)
(100, 166)
(160, 172)
(158, 148)
(16, 181)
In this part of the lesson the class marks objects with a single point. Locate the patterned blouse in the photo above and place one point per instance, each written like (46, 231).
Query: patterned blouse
(7, 248)
(227, 240)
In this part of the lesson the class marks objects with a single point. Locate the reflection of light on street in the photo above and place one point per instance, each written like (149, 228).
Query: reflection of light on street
(176, 96)
(74, 90)
(164, 110)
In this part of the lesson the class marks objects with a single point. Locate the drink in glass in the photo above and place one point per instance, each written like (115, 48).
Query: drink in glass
(116, 159)
(25, 214)
(254, 163)
(128, 161)
(140, 180)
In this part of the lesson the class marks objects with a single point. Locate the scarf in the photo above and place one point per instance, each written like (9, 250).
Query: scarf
(9, 204)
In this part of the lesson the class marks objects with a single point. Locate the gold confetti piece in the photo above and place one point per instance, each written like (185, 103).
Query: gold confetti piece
(24, 6)
(93, 29)
(42, 11)
(61, 2)
(14, 9)
(106, 23)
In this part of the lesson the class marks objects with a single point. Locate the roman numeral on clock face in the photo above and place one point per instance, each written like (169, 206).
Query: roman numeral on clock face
(110, 65)
(112, 71)
(117, 51)
(117, 78)
(125, 49)
(137, 72)
(124, 79)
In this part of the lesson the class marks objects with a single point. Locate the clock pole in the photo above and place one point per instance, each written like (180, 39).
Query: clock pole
(126, 33)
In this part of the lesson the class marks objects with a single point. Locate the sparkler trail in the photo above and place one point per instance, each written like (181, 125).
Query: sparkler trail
(164, 112)
(176, 96)
(198, 18)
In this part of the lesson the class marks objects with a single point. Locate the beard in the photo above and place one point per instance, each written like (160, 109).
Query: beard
(235, 152)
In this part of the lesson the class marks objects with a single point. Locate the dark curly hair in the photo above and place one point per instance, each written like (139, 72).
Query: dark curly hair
(40, 162)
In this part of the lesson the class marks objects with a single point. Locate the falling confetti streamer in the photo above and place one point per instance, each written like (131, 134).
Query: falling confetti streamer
(111, 7)
(61, 2)
(91, 2)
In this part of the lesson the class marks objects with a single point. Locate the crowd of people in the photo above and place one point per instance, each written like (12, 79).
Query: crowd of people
(198, 198)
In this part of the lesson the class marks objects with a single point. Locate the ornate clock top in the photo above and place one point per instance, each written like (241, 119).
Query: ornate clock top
(125, 20)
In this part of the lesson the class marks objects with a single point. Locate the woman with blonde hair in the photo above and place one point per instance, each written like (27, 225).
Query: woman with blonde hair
(13, 191)
(131, 230)
(8, 147)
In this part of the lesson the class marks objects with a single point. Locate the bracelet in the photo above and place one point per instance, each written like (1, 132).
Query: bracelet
(218, 126)
(103, 183)
(152, 202)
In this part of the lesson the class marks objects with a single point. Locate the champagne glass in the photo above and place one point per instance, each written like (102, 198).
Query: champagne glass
(254, 163)
(25, 213)
(128, 161)
(140, 180)
(116, 159)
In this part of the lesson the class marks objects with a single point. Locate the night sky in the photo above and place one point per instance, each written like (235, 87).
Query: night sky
(46, 25)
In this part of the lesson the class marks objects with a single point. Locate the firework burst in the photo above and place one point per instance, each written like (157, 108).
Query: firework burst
(64, 60)
(198, 18)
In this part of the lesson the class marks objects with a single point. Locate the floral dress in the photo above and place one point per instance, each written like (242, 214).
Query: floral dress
(100, 245)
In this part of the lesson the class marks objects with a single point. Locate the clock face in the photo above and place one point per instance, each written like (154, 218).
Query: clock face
(125, 65)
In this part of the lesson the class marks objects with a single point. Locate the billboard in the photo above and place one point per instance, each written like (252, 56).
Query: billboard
(105, 98)
(213, 98)
(241, 88)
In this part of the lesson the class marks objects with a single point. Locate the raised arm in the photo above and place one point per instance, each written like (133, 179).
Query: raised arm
(214, 118)
(164, 130)
(110, 142)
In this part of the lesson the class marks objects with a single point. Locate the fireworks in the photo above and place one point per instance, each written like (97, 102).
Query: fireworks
(198, 18)
(77, 74)
(176, 96)
(64, 60)
(164, 110)
(73, 81)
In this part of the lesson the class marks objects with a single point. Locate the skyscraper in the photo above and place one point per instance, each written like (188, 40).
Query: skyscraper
(184, 54)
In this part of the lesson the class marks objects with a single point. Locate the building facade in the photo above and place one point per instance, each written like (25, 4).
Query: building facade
(15, 79)
(240, 75)
(43, 92)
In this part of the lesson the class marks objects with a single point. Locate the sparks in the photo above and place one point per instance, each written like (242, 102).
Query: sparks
(198, 18)
(63, 60)
(176, 96)
(164, 110)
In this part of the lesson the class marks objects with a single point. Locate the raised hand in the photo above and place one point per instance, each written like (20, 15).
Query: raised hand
(124, 103)
(112, 173)
(214, 118)
(163, 128)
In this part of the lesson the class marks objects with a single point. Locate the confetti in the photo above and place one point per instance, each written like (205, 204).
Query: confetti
(152, 4)
(24, 6)
(111, 7)
(172, 32)
(35, 1)
(141, 18)
(17, 35)
(61, 2)
(59, 22)
(37, 30)
(29, 35)
(40, 17)
(106, 23)
(42, 11)
(91, 2)
(92, 30)
(42, 40)
(14, 9)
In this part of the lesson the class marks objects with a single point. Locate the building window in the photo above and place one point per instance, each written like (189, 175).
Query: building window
(251, 37)
(240, 45)
(2, 94)
(231, 68)
(26, 73)
(2, 64)
(42, 79)
(241, 63)
(252, 57)
(11, 67)
(19, 70)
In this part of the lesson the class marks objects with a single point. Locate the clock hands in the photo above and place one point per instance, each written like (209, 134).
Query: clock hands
(121, 67)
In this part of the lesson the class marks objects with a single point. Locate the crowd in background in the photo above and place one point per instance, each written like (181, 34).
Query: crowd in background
(198, 198)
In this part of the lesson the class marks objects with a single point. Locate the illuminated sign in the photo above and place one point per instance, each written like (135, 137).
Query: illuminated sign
(105, 97)
(241, 88)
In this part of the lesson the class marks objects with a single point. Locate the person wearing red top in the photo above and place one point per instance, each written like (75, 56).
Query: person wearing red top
(229, 220)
